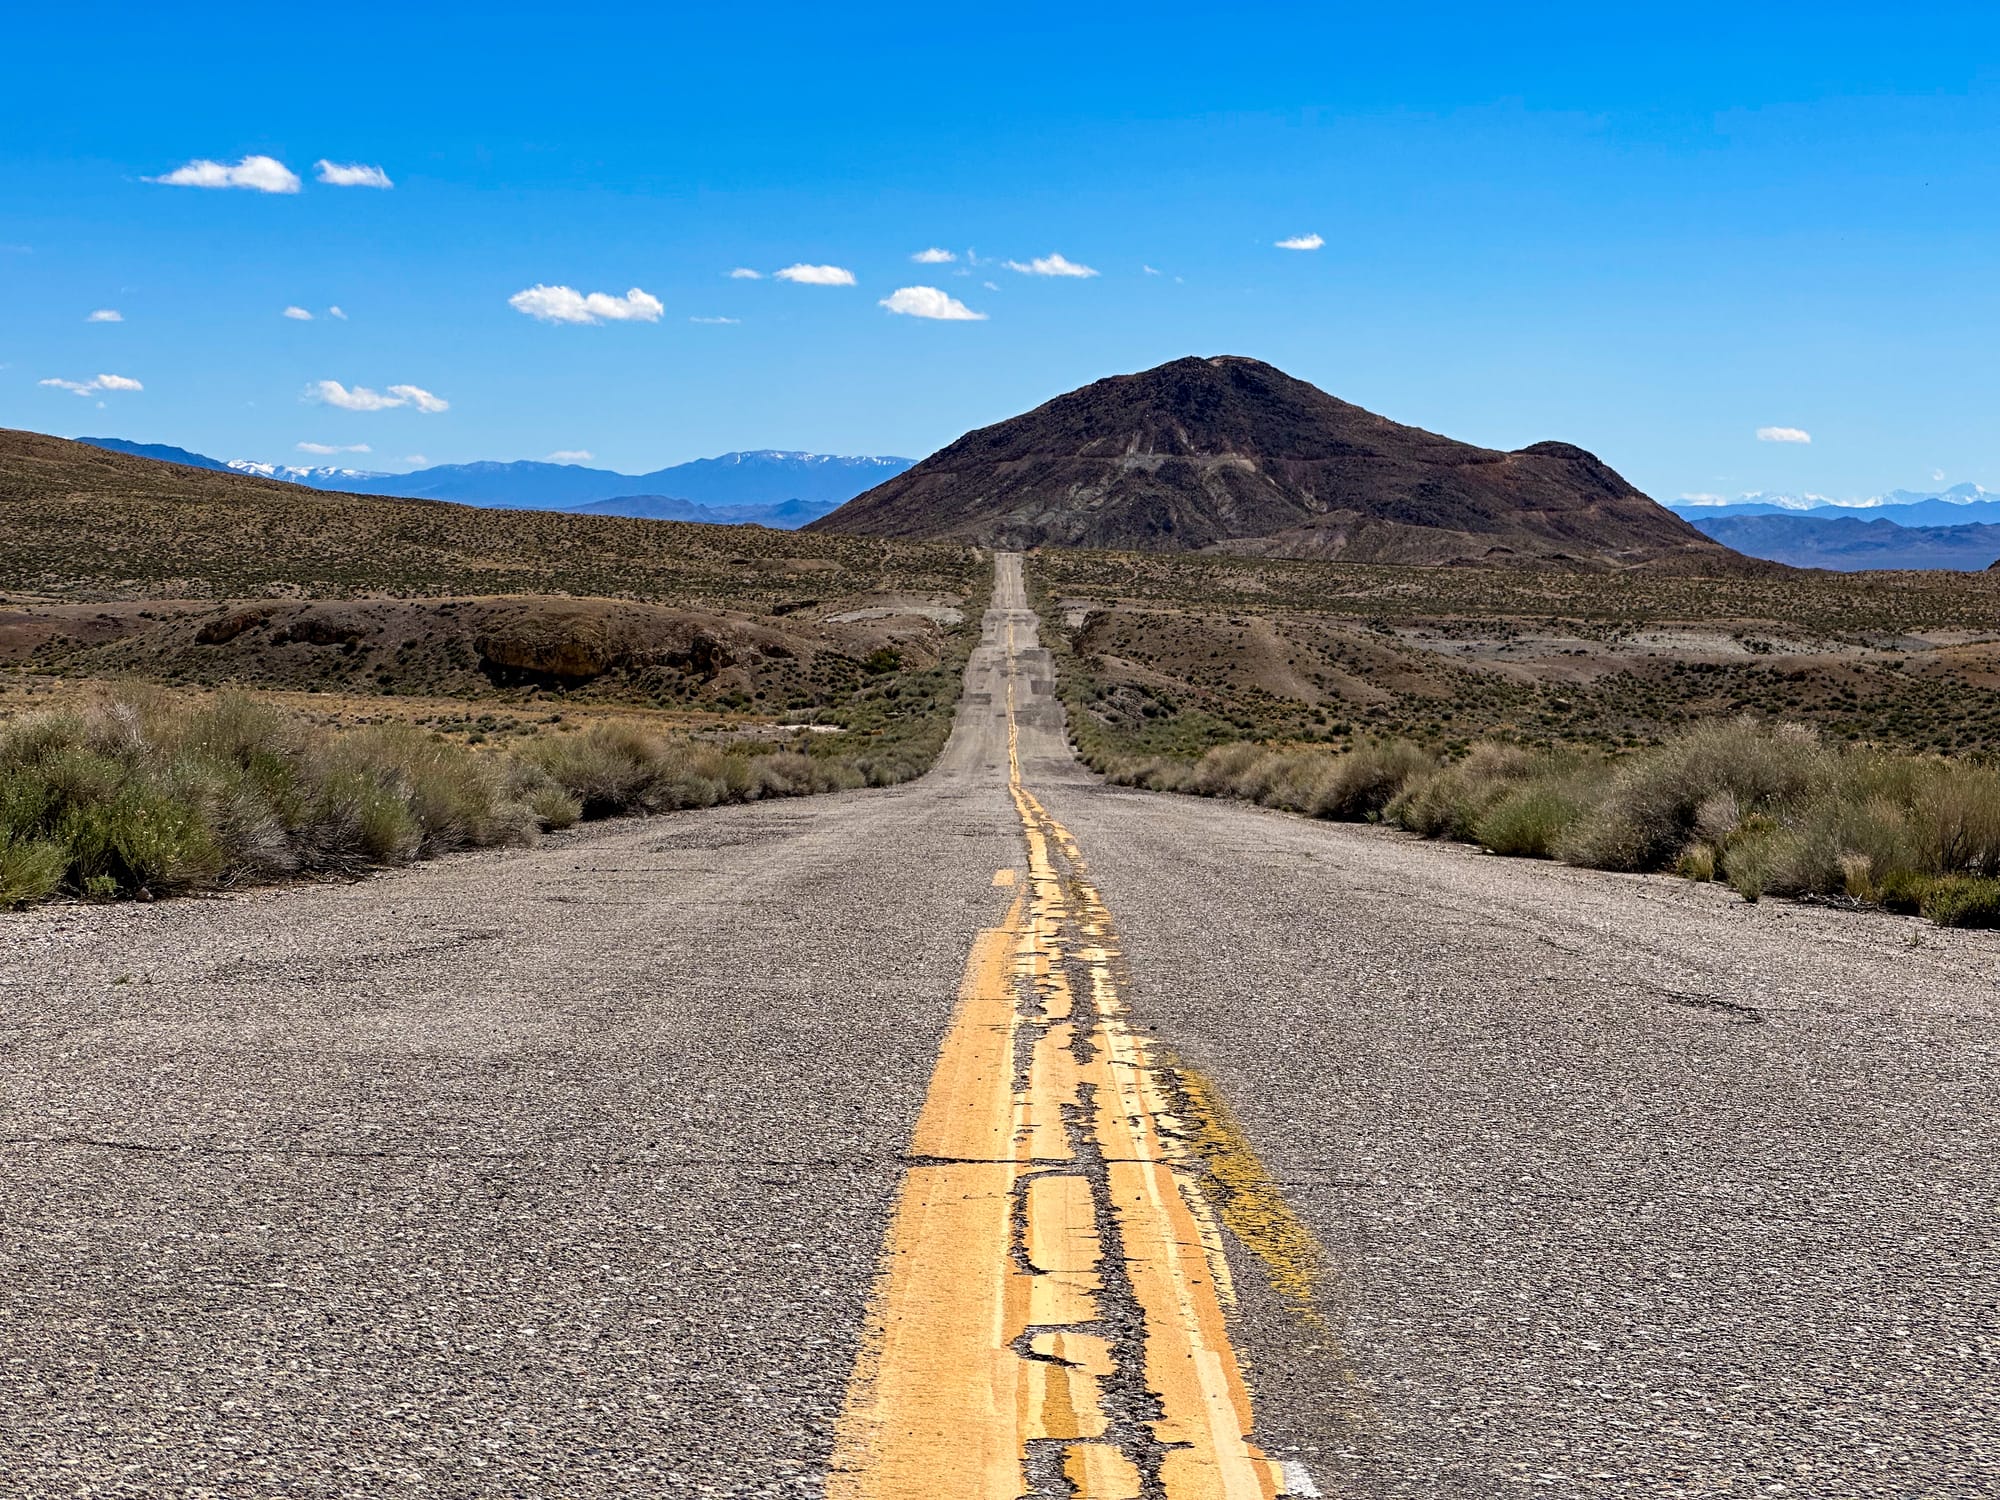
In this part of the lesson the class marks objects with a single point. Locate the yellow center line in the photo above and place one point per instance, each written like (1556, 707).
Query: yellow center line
(1049, 1319)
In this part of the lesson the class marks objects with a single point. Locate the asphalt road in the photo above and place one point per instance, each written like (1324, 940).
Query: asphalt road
(568, 1172)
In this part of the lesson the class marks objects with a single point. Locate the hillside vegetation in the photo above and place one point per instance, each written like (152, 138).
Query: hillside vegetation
(152, 614)
(1786, 735)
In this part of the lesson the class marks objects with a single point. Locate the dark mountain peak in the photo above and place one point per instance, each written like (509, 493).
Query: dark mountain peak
(1227, 453)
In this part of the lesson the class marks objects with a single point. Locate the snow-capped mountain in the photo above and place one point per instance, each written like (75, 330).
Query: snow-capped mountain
(1959, 505)
(319, 476)
(773, 486)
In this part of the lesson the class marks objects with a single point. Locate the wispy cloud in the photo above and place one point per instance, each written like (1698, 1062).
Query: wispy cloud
(1783, 435)
(420, 398)
(417, 459)
(934, 257)
(298, 315)
(261, 174)
(744, 273)
(806, 275)
(929, 302)
(327, 450)
(361, 398)
(1150, 270)
(570, 456)
(565, 304)
(717, 321)
(1050, 265)
(95, 384)
(1301, 242)
(353, 174)
(334, 312)
(106, 315)
(1703, 498)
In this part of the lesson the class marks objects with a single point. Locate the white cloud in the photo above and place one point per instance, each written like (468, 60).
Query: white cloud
(1783, 435)
(327, 450)
(929, 302)
(354, 174)
(1050, 265)
(334, 312)
(95, 384)
(298, 315)
(715, 320)
(934, 257)
(263, 174)
(570, 456)
(360, 398)
(565, 304)
(1937, 476)
(1150, 270)
(1704, 499)
(991, 286)
(418, 459)
(1301, 242)
(816, 275)
(420, 398)
(744, 273)
(106, 315)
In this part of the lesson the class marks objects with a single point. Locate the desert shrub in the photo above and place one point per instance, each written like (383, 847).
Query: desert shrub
(608, 768)
(1657, 802)
(30, 869)
(1956, 819)
(1367, 778)
(1532, 820)
(357, 821)
(1697, 862)
(1289, 779)
(1218, 773)
(1901, 890)
(1963, 901)
(1449, 803)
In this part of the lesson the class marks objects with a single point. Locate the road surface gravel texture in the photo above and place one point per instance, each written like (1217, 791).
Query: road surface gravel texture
(567, 1173)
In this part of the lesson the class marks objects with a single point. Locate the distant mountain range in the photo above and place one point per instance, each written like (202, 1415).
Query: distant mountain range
(769, 488)
(1955, 528)
(1848, 544)
(1953, 507)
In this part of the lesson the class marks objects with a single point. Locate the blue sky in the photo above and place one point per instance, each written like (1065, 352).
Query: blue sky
(1652, 230)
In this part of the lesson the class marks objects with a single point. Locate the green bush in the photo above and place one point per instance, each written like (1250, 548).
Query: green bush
(1366, 780)
(1702, 776)
(1963, 901)
(30, 869)
(1449, 803)
(1531, 821)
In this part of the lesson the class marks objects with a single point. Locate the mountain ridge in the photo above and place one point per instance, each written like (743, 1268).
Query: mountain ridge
(766, 478)
(1231, 454)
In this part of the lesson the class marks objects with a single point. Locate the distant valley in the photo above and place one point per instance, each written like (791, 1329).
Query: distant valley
(770, 487)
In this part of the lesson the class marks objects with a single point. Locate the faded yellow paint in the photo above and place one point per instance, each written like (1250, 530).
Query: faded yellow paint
(986, 1333)
(1249, 1202)
(1098, 1472)
(1003, 877)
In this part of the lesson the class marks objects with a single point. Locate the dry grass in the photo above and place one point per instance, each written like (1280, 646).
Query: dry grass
(1771, 811)
(144, 792)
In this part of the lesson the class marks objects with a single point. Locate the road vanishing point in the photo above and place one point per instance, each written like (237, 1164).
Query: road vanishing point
(1003, 1134)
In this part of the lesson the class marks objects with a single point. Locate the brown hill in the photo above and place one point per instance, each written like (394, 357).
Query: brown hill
(1230, 454)
(112, 564)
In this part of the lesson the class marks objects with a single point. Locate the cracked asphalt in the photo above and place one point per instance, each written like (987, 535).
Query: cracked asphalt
(566, 1172)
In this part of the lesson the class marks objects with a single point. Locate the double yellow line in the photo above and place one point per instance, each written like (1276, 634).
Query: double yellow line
(1050, 1314)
